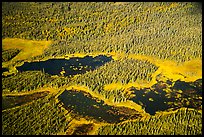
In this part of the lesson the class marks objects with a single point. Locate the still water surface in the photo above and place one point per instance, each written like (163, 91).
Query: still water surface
(70, 67)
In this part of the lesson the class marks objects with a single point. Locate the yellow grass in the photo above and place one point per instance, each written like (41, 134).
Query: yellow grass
(187, 71)
(78, 88)
(29, 48)
(113, 86)
(82, 55)
(130, 104)
(117, 86)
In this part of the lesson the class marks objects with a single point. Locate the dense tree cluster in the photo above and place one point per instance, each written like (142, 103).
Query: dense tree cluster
(24, 81)
(9, 54)
(165, 30)
(188, 122)
(42, 117)
(31, 80)
(120, 71)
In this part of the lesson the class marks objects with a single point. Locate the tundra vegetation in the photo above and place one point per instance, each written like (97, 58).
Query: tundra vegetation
(156, 65)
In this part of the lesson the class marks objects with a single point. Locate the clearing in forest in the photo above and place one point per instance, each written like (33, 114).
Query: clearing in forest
(29, 48)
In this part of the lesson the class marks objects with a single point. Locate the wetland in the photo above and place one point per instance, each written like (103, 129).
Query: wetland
(84, 105)
(170, 96)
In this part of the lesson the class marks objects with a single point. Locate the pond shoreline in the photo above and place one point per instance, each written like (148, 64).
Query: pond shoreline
(64, 67)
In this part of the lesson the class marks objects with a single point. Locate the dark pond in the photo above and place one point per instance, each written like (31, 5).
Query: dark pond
(71, 67)
(4, 70)
(151, 101)
(189, 87)
(182, 94)
(84, 105)
(12, 101)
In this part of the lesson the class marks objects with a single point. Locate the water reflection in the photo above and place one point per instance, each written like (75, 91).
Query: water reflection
(65, 67)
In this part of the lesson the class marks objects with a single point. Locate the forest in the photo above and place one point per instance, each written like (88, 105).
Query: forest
(43, 116)
(155, 51)
(143, 28)
(9, 54)
(160, 125)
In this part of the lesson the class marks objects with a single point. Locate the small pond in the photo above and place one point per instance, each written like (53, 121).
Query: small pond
(163, 96)
(4, 70)
(70, 67)
(82, 104)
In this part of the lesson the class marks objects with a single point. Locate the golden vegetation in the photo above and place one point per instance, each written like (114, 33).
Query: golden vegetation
(186, 71)
(29, 48)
